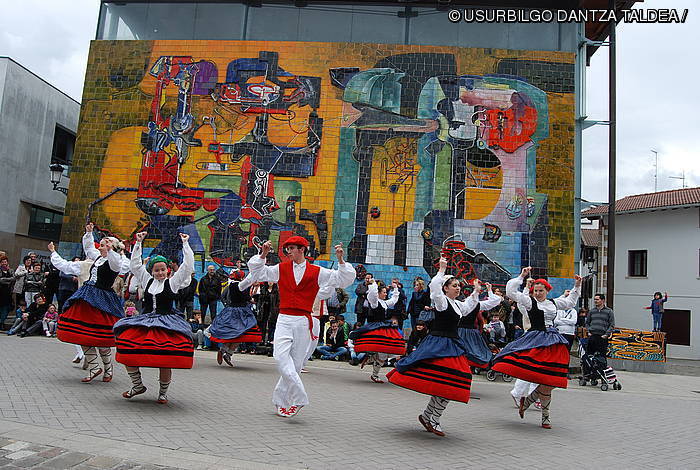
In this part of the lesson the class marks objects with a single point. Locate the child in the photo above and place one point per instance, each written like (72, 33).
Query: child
(49, 321)
(130, 309)
(21, 315)
(33, 283)
(496, 329)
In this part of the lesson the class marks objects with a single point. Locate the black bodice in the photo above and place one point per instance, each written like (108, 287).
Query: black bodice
(537, 315)
(377, 314)
(105, 276)
(469, 321)
(234, 297)
(445, 323)
(164, 299)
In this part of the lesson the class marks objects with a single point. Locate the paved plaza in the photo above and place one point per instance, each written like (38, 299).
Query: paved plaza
(221, 417)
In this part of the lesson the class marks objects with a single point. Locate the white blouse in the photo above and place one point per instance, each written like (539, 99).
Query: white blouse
(463, 308)
(548, 307)
(179, 280)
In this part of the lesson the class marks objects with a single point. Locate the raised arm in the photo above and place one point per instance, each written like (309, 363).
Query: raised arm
(437, 296)
(66, 267)
(246, 282)
(491, 301)
(395, 296)
(342, 277)
(514, 294)
(373, 294)
(258, 271)
(570, 301)
(183, 276)
(89, 243)
(137, 268)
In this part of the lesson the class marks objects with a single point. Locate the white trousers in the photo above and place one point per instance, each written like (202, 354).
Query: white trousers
(313, 343)
(292, 345)
(522, 388)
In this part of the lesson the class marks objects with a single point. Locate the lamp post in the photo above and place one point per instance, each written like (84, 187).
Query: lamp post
(56, 173)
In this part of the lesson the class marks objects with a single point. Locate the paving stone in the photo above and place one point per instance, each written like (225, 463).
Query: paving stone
(17, 445)
(65, 460)
(20, 454)
(30, 461)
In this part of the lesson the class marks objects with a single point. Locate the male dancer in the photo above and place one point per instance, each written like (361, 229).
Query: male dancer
(299, 282)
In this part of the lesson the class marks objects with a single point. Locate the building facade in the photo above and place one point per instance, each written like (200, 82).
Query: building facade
(657, 249)
(379, 125)
(38, 124)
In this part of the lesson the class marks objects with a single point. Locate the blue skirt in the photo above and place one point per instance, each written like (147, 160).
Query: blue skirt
(170, 322)
(478, 353)
(354, 334)
(233, 322)
(106, 300)
(433, 347)
(533, 339)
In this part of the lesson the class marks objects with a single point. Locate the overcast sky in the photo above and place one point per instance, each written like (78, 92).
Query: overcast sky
(658, 89)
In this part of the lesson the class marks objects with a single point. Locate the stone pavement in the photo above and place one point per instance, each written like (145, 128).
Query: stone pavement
(219, 417)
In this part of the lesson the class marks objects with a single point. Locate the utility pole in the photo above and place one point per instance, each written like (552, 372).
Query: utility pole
(612, 160)
(656, 167)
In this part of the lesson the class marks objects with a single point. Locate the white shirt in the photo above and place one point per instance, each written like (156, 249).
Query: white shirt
(565, 321)
(549, 308)
(179, 280)
(463, 308)
(374, 300)
(342, 277)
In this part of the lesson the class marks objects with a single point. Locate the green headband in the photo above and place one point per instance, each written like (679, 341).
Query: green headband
(156, 259)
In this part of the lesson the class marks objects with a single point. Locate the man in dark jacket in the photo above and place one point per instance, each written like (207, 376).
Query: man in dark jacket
(210, 291)
(600, 323)
(185, 298)
(398, 311)
(67, 285)
(361, 292)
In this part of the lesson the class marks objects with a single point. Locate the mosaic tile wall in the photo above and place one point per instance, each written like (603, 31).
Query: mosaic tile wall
(399, 152)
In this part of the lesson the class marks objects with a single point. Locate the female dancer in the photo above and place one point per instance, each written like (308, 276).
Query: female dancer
(541, 354)
(236, 323)
(159, 337)
(469, 329)
(379, 337)
(439, 367)
(89, 314)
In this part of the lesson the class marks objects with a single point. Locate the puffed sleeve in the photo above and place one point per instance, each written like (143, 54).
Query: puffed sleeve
(66, 267)
(183, 276)
(436, 294)
(89, 246)
(514, 294)
(137, 268)
(262, 273)
(373, 295)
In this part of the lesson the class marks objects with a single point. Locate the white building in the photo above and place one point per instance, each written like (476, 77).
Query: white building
(38, 123)
(657, 248)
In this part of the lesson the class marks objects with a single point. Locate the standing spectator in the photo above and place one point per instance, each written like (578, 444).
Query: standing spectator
(210, 291)
(336, 304)
(20, 274)
(361, 291)
(599, 323)
(420, 301)
(67, 285)
(565, 322)
(51, 281)
(185, 298)
(398, 311)
(335, 343)
(33, 283)
(268, 308)
(49, 321)
(6, 279)
(657, 309)
(581, 322)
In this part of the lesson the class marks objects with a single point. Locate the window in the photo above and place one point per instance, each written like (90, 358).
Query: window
(676, 325)
(45, 223)
(63, 145)
(637, 263)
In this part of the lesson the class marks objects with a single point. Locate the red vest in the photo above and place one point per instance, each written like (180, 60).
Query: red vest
(297, 299)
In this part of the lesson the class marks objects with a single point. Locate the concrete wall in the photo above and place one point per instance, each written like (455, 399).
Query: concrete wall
(672, 241)
(30, 108)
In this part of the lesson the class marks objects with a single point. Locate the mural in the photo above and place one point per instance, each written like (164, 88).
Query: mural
(636, 345)
(402, 153)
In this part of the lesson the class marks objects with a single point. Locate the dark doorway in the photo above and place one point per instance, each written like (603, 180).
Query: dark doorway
(676, 325)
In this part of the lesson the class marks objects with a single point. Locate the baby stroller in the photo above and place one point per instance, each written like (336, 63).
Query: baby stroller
(492, 375)
(594, 368)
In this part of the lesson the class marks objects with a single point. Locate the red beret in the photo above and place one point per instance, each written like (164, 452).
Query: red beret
(544, 282)
(237, 275)
(296, 240)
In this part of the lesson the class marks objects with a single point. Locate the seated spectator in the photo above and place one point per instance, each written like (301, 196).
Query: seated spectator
(50, 320)
(35, 315)
(198, 326)
(21, 315)
(130, 309)
(335, 343)
(417, 335)
(495, 329)
(355, 358)
(342, 324)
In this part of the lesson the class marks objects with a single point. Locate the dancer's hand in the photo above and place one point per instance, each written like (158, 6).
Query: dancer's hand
(266, 249)
(52, 248)
(525, 272)
(184, 237)
(339, 253)
(488, 286)
(577, 280)
(529, 283)
(141, 236)
(89, 227)
(477, 285)
(443, 264)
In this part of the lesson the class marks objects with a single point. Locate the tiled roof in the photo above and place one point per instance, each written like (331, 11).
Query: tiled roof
(641, 202)
(590, 236)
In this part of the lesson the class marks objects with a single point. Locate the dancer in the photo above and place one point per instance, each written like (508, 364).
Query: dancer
(469, 328)
(439, 367)
(236, 323)
(299, 282)
(379, 337)
(91, 312)
(159, 337)
(541, 354)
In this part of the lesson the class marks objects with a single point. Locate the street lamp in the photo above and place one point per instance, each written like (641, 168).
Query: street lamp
(56, 173)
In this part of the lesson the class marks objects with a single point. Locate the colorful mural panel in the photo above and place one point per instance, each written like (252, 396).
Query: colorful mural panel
(399, 152)
(637, 345)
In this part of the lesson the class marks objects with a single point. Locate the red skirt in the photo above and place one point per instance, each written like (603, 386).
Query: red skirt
(154, 347)
(254, 335)
(382, 340)
(83, 324)
(447, 377)
(547, 365)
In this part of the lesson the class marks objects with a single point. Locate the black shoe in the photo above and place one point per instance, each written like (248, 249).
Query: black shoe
(22, 334)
